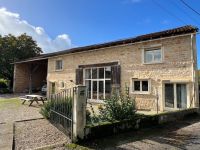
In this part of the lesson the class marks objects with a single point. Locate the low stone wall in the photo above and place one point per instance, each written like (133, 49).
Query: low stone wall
(143, 121)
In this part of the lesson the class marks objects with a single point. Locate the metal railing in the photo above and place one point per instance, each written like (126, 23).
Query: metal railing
(61, 111)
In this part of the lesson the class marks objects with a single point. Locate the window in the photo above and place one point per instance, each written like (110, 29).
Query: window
(140, 85)
(152, 56)
(53, 87)
(176, 95)
(62, 84)
(59, 65)
(98, 82)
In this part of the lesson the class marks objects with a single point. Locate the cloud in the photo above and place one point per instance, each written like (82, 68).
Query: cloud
(11, 23)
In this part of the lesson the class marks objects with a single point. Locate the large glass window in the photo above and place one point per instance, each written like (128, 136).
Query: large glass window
(98, 82)
(176, 95)
(169, 95)
(152, 56)
(140, 85)
(181, 95)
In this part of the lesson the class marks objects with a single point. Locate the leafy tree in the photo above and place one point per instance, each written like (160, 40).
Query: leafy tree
(14, 49)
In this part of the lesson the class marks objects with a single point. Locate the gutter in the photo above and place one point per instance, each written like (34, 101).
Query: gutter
(95, 49)
(122, 45)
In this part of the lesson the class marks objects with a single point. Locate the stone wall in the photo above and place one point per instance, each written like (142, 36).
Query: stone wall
(104, 129)
(21, 78)
(177, 65)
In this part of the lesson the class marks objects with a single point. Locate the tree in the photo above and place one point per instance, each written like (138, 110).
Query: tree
(14, 49)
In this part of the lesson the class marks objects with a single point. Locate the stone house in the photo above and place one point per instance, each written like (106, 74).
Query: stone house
(160, 70)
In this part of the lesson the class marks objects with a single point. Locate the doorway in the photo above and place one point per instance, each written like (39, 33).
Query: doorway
(175, 95)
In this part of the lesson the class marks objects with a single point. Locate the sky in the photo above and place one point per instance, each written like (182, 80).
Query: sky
(61, 24)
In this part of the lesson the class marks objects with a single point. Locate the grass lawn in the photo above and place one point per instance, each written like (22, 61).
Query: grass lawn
(9, 102)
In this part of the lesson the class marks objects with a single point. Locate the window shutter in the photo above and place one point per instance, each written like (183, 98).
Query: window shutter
(79, 76)
(116, 75)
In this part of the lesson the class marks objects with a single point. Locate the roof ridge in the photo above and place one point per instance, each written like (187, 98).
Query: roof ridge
(144, 37)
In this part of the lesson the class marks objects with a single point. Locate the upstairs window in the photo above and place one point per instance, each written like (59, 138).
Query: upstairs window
(59, 65)
(152, 56)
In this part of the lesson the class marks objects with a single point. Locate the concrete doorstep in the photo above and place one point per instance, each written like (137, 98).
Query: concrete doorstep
(6, 136)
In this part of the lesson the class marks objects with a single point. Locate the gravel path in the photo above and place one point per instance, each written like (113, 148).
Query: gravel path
(6, 136)
(29, 134)
(37, 133)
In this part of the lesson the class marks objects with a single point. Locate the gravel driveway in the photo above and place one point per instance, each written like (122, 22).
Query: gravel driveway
(37, 133)
(29, 134)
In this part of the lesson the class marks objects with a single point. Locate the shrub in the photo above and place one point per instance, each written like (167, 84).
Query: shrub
(3, 84)
(91, 117)
(64, 106)
(4, 90)
(118, 107)
(45, 110)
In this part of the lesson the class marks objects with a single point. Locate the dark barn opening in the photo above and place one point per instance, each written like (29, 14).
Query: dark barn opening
(30, 76)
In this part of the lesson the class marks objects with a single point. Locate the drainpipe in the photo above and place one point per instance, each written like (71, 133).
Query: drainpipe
(157, 99)
(194, 96)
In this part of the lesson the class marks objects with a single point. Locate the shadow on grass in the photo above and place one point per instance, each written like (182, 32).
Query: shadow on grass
(163, 134)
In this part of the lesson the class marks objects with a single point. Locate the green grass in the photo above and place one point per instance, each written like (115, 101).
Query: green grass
(11, 102)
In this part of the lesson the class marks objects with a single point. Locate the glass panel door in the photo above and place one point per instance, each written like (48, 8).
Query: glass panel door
(101, 90)
(169, 95)
(94, 91)
(181, 95)
(107, 88)
(88, 86)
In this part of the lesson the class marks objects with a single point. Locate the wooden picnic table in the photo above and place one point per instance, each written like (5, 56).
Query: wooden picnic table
(32, 98)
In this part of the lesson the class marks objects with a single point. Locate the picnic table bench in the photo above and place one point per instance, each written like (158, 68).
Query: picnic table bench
(32, 98)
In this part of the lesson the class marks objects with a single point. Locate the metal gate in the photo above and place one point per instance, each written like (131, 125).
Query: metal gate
(61, 111)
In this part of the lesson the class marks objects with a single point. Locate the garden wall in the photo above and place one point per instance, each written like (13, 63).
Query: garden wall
(143, 121)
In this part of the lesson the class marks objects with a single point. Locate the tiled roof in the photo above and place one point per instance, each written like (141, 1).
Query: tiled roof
(156, 35)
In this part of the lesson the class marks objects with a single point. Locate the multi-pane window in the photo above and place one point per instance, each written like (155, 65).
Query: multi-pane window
(59, 65)
(98, 82)
(152, 56)
(140, 85)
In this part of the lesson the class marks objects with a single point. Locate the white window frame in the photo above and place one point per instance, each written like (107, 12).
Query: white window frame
(175, 94)
(140, 92)
(103, 79)
(152, 49)
(56, 65)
